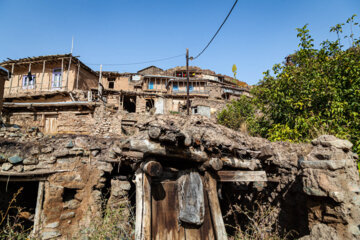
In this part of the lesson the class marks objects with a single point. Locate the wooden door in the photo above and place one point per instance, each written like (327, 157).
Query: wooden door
(50, 124)
(164, 215)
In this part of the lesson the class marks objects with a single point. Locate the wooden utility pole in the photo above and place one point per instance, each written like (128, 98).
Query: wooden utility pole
(188, 82)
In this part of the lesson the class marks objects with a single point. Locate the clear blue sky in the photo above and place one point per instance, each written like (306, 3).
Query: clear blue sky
(258, 34)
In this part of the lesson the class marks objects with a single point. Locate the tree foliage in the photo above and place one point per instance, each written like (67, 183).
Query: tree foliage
(315, 91)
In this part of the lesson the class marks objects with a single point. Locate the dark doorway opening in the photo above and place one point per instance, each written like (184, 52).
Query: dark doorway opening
(20, 213)
(130, 103)
(149, 104)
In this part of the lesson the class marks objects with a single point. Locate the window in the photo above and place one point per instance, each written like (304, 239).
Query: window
(28, 81)
(57, 79)
(175, 87)
(151, 85)
(111, 83)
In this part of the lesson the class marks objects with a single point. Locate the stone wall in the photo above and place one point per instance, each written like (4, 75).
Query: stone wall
(315, 187)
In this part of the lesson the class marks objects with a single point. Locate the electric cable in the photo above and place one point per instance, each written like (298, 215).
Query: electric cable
(216, 32)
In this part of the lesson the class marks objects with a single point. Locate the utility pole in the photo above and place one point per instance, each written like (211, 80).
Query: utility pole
(188, 82)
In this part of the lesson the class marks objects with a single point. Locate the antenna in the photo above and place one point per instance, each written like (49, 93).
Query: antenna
(72, 44)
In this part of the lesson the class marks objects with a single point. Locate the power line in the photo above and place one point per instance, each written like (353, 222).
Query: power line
(216, 32)
(136, 63)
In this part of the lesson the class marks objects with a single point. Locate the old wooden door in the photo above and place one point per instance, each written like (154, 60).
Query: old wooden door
(164, 215)
(158, 210)
(50, 124)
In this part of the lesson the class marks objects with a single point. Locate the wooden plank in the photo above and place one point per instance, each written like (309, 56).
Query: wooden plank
(42, 76)
(67, 74)
(38, 209)
(62, 72)
(216, 216)
(77, 76)
(139, 204)
(165, 206)
(29, 174)
(21, 179)
(147, 208)
(12, 76)
(241, 176)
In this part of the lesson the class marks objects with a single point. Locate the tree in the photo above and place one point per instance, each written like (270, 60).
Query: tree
(315, 91)
(234, 70)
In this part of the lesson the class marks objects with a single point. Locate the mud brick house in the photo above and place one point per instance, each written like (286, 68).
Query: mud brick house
(60, 94)
(4, 75)
(165, 90)
(51, 92)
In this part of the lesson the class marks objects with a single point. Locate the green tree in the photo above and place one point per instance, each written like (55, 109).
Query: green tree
(234, 70)
(315, 91)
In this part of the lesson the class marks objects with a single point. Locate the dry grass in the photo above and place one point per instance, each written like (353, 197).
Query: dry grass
(262, 223)
(11, 226)
(116, 223)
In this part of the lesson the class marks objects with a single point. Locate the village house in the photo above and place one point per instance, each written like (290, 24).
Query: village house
(60, 94)
(51, 92)
(166, 90)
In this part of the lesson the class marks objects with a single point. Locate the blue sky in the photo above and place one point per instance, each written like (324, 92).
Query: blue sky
(258, 34)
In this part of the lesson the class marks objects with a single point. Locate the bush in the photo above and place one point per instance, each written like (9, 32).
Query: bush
(238, 115)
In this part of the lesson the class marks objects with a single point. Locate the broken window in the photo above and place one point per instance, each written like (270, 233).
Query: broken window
(129, 103)
(111, 83)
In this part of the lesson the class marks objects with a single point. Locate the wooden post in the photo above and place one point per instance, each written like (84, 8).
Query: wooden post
(38, 209)
(152, 168)
(187, 82)
(215, 209)
(12, 76)
(27, 87)
(77, 76)
(18, 85)
(139, 205)
(62, 71)
(100, 87)
(143, 207)
(42, 76)
(67, 75)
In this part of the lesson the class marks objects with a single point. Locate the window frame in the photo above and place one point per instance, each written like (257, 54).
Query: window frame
(55, 72)
(26, 83)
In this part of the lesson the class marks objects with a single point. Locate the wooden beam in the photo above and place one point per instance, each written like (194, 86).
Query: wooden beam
(29, 174)
(241, 176)
(22, 179)
(62, 71)
(12, 76)
(152, 168)
(147, 208)
(38, 209)
(42, 76)
(67, 74)
(216, 215)
(143, 207)
(77, 76)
